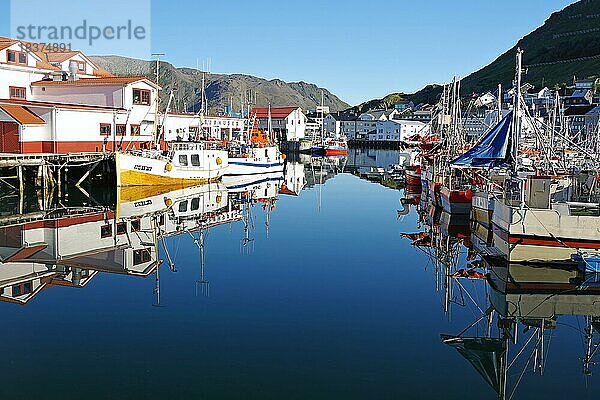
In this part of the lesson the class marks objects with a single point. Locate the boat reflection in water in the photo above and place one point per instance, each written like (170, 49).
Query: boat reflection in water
(518, 307)
(43, 249)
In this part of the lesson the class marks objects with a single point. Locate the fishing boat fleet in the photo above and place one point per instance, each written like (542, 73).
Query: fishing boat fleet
(525, 179)
(511, 224)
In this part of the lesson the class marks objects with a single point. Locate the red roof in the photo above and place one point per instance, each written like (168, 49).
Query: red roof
(21, 114)
(110, 80)
(276, 112)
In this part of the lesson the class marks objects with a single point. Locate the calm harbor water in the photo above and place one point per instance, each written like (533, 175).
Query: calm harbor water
(323, 300)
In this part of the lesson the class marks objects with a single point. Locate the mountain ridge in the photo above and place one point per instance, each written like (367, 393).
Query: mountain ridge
(222, 90)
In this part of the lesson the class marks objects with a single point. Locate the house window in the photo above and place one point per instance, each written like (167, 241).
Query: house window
(183, 160)
(121, 129)
(16, 57)
(141, 256)
(22, 288)
(106, 231)
(80, 66)
(136, 225)
(135, 130)
(141, 97)
(195, 159)
(105, 129)
(17, 92)
(121, 228)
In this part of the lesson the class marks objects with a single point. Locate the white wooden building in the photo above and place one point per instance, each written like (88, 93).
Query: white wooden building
(289, 123)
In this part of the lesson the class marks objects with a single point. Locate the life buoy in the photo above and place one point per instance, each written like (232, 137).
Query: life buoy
(168, 167)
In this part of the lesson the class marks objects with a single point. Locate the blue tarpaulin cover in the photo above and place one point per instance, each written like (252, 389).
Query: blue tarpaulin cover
(492, 148)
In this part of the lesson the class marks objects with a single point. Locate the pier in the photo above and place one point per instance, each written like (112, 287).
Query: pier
(51, 173)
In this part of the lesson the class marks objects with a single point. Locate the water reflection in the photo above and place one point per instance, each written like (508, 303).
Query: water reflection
(66, 239)
(516, 309)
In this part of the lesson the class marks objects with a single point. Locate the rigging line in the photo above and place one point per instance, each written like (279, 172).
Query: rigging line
(545, 356)
(522, 350)
(469, 295)
(524, 369)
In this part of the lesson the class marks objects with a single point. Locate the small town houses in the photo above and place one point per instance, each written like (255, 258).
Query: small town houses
(59, 102)
(375, 126)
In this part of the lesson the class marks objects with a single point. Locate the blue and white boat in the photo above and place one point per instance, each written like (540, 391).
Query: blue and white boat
(255, 160)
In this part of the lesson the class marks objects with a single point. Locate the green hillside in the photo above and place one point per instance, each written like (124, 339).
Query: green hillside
(567, 46)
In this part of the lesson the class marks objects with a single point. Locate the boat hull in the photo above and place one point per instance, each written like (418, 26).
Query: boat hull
(336, 152)
(138, 170)
(456, 201)
(482, 208)
(248, 167)
(258, 160)
(542, 235)
(412, 179)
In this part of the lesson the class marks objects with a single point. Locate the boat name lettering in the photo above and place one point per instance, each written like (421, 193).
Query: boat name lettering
(142, 168)
(142, 203)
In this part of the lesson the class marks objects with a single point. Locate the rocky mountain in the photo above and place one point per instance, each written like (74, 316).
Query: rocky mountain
(221, 90)
(565, 47)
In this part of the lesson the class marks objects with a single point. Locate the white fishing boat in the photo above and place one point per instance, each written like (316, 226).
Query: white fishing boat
(186, 163)
(249, 160)
(540, 230)
(260, 156)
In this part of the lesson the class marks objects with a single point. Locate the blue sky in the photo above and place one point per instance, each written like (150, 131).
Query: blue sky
(359, 50)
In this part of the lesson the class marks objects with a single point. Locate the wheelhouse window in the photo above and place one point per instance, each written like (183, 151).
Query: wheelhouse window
(105, 129)
(136, 225)
(183, 160)
(135, 130)
(121, 228)
(121, 128)
(106, 231)
(22, 288)
(183, 206)
(17, 92)
(141, 97)
(16, 57)
(141, 256)
(195, 158)
(195, 204)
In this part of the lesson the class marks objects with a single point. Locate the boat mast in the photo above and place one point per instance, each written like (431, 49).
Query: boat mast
(155, 143)
(270, 125)
(517, 107)
(499, 103)
(322, 121)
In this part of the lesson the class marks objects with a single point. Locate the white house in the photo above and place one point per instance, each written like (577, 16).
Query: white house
(398, 130)
(22, 63)
(289, 123)
(63, 102)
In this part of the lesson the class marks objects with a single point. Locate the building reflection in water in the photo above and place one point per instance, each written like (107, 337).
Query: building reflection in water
(69, 240)
(518, 307)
